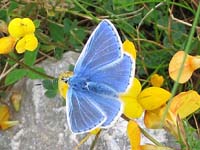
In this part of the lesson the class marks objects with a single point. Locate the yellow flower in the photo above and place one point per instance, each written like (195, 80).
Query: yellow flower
(134, 135)
(136, 101)
(62, 86)
(152, 118)
(4, 116)
(95, 131)
(28, 42)
(157, 80)
(129, 47)
(20, 27)
(153, 97)
(132, 108)
(182, 105)
(185, 103)
(7, 44)
(191, 64)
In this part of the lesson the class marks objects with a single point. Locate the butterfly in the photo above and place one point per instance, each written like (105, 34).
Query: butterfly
(103, 71)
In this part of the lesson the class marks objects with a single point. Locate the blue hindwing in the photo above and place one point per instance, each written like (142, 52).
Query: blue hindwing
(83, 114)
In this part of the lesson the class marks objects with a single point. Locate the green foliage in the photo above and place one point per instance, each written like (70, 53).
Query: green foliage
(15, 76)
(35, 75)
(56, 32)
(12, 7)
(191, 135)
(51, 87)
(32, 72)
(63, 26)
(30, 57)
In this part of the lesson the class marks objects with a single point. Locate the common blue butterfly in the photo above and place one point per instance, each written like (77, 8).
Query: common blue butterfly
(101, 73)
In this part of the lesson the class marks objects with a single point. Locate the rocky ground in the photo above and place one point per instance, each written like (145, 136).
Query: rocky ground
(43, 123)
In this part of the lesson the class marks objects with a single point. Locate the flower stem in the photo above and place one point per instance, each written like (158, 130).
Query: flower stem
(187, 49)
(28, 67)
(147, 135)
(95, 140)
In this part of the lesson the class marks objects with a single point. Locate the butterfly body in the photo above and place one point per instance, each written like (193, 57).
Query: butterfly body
(102, 72)
(83, 85)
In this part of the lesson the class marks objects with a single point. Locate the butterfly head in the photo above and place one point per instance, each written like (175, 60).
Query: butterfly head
(65, 76)
(62, 83)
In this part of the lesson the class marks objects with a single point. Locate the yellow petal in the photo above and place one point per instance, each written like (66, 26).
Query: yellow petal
(188, 68)
(62, 86)
(7, 124)
(133, 90)
(28, 26)
(4, 116)
(20, 27)
(153, 97)
(153, 118)
(95, 131)
(132, 108)
(134, 135)
(129, 47)
(195, 62)
(4, 113)
(154, 147)
(15, 29)
(28, 42)
(185, 103)
(156, 80)
(7, 44)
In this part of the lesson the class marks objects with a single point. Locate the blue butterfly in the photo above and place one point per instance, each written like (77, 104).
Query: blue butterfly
(102, 72)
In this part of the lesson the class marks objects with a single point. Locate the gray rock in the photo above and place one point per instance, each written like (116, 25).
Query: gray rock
(43, 123)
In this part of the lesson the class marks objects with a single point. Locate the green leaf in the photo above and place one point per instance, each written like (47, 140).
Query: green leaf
(51, 93)
(58, 53)
(50, 84)
(33, 75)
(55, 84)
(154, 58)
(30, 57)
(43, 38)
(67, 26)
(77, 37)
(3, 15)
(71, 67)
(15, 76)
(56, 32)
(47, 48)
(13, 5)
(10, 61)
(47, 84)
(36, 23)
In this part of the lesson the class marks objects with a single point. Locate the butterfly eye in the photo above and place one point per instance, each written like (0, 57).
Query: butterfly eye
(65, 79)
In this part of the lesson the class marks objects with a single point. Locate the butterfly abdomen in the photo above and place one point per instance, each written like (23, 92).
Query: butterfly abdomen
(102, 89)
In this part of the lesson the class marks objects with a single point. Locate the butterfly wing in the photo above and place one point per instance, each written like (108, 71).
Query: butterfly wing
(102, 48)
(83, 115)
(117, 75)
(101, 61)
(111, 106)
(88, 110)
